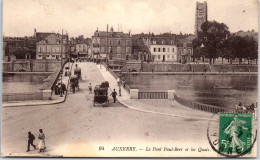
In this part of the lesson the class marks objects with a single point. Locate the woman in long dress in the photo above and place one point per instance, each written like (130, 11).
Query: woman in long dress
(41, 138)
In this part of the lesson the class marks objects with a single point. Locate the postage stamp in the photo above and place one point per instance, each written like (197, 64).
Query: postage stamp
(235, 132)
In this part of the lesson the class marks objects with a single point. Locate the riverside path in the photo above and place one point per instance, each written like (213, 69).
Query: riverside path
(76, 128)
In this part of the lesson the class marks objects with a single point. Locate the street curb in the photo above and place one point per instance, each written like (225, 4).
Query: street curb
(33, 103)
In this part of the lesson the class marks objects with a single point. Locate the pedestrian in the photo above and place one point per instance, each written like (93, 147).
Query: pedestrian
(90, 88)
(41, 138)
(113, 94)
(31, 138)
(60, 88)
(119, 90)
(63, 88)
(118, 81)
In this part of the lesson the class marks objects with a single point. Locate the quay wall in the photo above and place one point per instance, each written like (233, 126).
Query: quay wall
(31, 66)
(167, 67)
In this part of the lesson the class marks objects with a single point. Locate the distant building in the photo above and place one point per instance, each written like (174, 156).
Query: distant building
(140, 51)
(162, 48)
(54, 46)
(201, 15)
(19, 48)
(185, 52)
(111, 45)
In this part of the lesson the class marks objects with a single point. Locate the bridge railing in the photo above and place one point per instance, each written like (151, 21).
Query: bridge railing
(152, 95)
(206, 107)
(8, 97)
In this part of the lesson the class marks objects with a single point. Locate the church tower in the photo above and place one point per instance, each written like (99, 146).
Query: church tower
(201, 15)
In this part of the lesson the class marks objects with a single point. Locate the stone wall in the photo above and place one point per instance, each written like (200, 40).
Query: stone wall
(31, 66)
(160, 67)
(132, 66)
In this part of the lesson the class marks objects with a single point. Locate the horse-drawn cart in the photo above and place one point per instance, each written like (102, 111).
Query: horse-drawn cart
(101, 93)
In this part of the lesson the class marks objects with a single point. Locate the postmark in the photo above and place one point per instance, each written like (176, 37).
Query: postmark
(235, 135)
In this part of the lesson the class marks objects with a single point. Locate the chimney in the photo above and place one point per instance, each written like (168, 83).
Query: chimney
(34, 32)
(111, 29)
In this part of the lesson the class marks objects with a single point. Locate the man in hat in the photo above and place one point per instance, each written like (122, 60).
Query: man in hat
(30, 141)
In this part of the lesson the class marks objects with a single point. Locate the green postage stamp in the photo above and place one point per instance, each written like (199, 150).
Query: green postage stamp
(235, 133)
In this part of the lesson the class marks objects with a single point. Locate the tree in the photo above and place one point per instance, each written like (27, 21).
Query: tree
(212, 36)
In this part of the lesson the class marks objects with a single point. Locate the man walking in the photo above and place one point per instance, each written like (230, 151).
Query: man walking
(30, 141)
(113, 94)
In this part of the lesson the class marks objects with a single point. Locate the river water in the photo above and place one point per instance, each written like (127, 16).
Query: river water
(22, 83)
(200, 88)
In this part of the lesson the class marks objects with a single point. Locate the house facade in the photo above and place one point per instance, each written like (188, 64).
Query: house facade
(111, 45)
(185, 52)
(162, 48)
(53, 46)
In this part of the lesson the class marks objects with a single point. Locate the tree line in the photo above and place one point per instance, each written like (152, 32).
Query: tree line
(215, 40)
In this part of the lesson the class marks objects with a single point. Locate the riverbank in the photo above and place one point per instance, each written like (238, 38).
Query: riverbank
(14, 73)
(190, 73)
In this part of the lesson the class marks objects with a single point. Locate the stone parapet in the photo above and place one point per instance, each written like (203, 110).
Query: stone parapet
(134, 93)
(46, 94)
(171, 94)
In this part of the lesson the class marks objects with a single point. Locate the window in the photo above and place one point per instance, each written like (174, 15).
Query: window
(119, 43)
(127, 42)
(159, 49)
(168, 56)
(168, 49)
(39, 55)
(40, 49)
(53, 55)
(109, 49)
(48, 49)
(163, 49)
(159, 57)
(110, 42)
(118, 56)
(118, 49)
(52, 49)
(102, 49)
(154, 49)
(128, 50)
(172, 56)
(172, 49)
(58, 49)
(48, 55)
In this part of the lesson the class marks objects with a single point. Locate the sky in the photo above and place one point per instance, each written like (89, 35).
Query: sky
(83, 17)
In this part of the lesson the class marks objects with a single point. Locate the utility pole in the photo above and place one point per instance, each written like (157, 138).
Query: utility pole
(61, 64)
(107, 54)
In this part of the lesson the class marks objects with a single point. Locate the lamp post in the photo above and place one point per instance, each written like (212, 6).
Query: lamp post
(202, 46)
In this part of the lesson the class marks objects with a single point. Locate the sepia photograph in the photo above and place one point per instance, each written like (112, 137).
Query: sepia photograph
(129, 78)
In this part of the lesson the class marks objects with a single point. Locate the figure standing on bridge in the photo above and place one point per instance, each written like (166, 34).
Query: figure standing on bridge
(119, 88)
(90, 88)
(113, 94)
